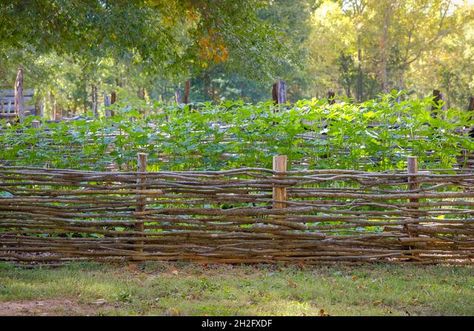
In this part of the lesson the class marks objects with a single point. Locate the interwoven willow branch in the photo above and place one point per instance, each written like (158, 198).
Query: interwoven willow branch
(227, 216)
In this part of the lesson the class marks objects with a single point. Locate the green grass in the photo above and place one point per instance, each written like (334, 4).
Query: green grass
(191, 289)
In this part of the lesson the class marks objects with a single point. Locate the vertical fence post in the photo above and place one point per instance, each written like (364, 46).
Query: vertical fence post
(331, 97)
(187, 90)
(279, 193)
(412, 170)
(281, 85)
(275, 93)
(438, 100)
(141, 199)
(279, 92)
(19, 100)
(470, 105)
(35, 124)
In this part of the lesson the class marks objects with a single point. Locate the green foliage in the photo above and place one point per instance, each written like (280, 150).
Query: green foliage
(375, 135)
(364, 47)
(164, 38)
(236, 49)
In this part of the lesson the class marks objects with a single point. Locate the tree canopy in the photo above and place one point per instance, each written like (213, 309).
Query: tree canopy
(236, 49)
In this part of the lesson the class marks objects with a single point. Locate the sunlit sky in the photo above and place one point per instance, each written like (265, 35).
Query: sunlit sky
(470, 2)
(453, 4)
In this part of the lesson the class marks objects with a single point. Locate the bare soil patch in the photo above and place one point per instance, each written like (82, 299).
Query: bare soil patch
(52, 307)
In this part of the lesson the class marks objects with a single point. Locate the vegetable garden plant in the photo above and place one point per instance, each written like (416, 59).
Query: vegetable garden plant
(375, 135)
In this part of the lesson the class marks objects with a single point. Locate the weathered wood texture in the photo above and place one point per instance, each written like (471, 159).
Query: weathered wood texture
(187, 91)
(141, 198)
(438, 103)
(470, 106)
(331, 97)
(7, 103)
(19, 99)
(227, 216)
(279, 192)
(279, 92)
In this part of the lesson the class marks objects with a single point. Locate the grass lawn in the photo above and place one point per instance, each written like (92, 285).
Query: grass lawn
(192, 289)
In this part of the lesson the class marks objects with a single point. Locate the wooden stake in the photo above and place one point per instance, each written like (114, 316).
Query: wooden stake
(141, 199)
(19, 100)
(187, 90)
(279, 193)
(35, 124)
(279, 92)
(331, 97)
(412, 170)
(275, 93)
(437, 103)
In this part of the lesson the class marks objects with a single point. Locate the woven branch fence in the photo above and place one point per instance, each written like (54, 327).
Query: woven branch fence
(246, 215)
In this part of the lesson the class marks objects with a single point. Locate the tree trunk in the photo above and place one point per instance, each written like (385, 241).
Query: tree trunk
(207, 84)
(470, 107)
(107, 104)
(384, 48)
(95, 103)
(360, 81)
(177, 96)
(187, 90)
(471, 104)
(141, 93)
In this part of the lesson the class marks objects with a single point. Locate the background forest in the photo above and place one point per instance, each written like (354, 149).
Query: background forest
(75, 54)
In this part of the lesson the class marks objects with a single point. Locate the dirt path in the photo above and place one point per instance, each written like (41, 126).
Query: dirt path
(53, 307)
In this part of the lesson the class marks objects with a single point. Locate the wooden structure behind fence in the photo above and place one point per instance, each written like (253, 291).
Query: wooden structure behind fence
(236, 216)
(7, 103)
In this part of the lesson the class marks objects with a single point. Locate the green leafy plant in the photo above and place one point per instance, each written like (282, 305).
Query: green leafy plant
(376, 135)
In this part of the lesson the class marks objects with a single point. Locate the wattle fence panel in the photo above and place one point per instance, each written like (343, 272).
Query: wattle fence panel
(233, 216)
